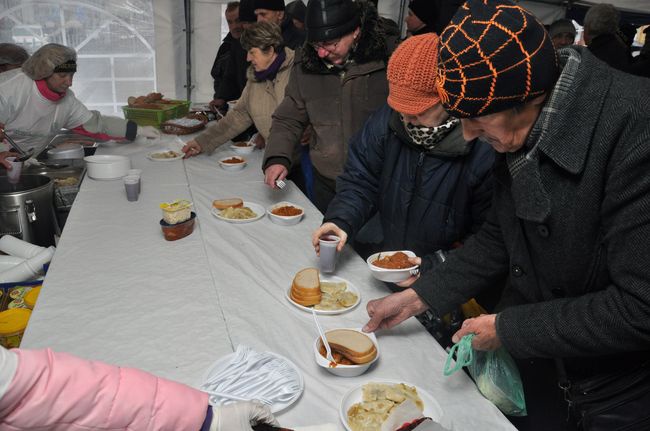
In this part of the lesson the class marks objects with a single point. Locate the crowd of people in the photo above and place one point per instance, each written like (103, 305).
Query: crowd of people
(517, 151)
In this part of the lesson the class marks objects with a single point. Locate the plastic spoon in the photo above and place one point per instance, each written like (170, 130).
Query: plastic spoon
(323, 338)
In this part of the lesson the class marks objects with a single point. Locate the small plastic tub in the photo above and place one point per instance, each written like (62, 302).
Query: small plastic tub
(232, 163)
(293, 216)
(340, 369)
(242, 147)
(172, 232)
(12, 326)
(176, 212)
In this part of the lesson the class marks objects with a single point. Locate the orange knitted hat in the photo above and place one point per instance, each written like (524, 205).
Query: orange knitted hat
(412, 75)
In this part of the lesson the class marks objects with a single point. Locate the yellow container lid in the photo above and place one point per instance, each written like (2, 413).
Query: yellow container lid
(14, 320)
(32, 296)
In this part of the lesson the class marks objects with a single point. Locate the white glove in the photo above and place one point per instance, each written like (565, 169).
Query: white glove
(241, 416)
(149, 132)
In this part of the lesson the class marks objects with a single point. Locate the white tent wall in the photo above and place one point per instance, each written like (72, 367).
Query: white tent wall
(207, 25)
(169, 23)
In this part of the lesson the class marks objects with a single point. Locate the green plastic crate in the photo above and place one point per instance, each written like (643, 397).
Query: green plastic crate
(150, 117)
(182, 107)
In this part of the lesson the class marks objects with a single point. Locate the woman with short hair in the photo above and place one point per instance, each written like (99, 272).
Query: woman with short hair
(268, 76)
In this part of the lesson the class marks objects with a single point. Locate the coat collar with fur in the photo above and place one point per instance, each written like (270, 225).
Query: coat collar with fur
(372, 46)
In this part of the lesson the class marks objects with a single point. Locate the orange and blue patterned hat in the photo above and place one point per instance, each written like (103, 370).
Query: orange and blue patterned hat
(493, 55)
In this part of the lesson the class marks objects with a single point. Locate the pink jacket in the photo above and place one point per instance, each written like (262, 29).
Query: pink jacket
(57, 391)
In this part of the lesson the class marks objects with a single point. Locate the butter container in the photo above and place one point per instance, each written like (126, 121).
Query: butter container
(12, 326)
(17, 303)
(177, 211)
(32, 296)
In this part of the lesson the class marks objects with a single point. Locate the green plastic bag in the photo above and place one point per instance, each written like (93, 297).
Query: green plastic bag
(495, 373)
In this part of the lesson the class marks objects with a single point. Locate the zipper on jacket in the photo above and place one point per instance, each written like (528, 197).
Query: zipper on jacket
(416, 187)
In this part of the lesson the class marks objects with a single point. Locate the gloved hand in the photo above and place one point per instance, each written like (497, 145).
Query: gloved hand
(241, 416)
(148, 132)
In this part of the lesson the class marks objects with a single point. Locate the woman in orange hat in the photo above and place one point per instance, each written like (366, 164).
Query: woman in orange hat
(411, 163)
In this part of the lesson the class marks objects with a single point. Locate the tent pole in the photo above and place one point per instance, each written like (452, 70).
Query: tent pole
(188, 48)
(401, 16)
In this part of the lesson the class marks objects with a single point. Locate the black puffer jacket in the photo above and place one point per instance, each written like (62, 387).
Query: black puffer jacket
(426, 200)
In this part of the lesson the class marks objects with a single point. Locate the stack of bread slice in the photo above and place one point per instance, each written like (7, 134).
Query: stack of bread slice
(354, 345)
(222, 204)
(305, 289)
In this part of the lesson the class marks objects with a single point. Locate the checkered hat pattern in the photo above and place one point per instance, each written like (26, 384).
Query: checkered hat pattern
(412, 75)
(493, 56)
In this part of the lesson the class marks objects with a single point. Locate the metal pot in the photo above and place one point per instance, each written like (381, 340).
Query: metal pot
(66, 151)
(27, 209)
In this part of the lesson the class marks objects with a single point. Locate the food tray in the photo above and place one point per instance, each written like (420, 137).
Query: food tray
(171, 128)
(64, 196)
(149, 117)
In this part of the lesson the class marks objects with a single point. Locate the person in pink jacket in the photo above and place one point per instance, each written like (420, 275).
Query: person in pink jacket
(45, 390)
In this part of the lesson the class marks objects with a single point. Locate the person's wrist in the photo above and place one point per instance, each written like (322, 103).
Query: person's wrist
(415, 304)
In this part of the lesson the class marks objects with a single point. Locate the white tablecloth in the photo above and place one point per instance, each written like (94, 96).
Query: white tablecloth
(118, 292)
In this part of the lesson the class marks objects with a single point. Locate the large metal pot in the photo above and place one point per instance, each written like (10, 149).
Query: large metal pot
(27, 209)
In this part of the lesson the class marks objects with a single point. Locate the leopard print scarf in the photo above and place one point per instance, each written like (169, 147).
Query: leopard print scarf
(429, 137)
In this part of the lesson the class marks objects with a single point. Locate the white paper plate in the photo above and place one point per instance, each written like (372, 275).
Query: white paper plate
(152, 158)
(257, 209)
(431, 407)
(351, 287)
(223, 362)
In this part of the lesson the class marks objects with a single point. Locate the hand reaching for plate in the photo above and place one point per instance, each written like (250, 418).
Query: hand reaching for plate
(191, 148)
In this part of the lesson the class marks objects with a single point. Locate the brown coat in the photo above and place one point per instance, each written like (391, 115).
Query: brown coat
(255, 106)
(336, 103)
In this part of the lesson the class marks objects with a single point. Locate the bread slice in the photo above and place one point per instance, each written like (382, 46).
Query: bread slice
(305, 301)
(354, 345)
(307, 282)
(222, 204)
(305, 288)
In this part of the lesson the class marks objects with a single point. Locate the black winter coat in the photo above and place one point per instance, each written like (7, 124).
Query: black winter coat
(426, 200)
(579, 277)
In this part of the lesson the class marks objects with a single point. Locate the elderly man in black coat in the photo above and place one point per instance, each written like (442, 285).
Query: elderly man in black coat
(570, 218)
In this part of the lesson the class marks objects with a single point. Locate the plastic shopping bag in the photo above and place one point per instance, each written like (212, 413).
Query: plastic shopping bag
(495, 373)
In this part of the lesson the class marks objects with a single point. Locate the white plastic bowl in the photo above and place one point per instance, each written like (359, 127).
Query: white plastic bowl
(391, 275)
(232, 166)
(345, 370)
(243, 150)
(105, 167)
(285, 220)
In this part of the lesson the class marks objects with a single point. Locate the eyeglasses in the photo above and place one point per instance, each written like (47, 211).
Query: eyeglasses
(330, 45)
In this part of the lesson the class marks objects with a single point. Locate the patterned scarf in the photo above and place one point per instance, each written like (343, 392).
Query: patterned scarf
(429, 137)
(531, 199)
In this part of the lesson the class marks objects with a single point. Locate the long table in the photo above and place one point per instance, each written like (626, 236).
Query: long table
(116, 291)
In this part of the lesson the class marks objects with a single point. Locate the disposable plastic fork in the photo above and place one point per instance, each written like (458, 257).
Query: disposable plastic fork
(280, 183)
(323, 338)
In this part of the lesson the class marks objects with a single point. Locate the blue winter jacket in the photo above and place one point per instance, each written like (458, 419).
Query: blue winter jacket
(426, 200)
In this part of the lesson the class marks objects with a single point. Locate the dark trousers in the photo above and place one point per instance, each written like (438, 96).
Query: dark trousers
(547, 410)
(324, 191)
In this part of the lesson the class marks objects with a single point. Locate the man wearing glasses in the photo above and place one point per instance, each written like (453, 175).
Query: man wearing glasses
(338, 80)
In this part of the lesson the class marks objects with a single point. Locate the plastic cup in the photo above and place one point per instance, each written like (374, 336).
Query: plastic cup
(137, 173)
(328, 244)
(13, 174)
(131, 186)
